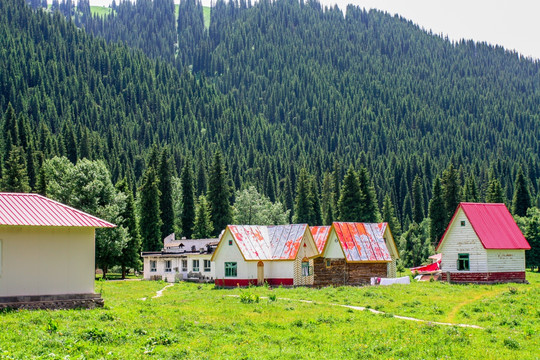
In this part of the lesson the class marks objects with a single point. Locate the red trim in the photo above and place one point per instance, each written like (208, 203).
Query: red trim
(232, 282)
(490, 277)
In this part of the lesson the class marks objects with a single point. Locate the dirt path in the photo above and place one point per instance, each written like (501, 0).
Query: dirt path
(159, 293)
(361, 308)
(452, 314)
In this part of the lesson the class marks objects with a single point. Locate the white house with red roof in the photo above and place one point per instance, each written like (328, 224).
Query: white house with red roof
(46, 253)
(352, 253)
(256, 254)
(483, 244)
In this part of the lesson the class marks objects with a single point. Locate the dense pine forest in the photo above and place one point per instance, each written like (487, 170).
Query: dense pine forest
(311, 114)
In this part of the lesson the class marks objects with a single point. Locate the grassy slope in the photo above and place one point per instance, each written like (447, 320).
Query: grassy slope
(100, 10)
(192, 321)
(206, 13)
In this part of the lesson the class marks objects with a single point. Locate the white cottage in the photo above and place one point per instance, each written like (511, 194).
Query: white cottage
(255, 254)
(185, 259)
(483, 244)
(46, 253)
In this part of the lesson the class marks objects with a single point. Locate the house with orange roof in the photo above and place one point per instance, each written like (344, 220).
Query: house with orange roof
(483, 244)
(256, 254)
(352, 253)
(46, 254)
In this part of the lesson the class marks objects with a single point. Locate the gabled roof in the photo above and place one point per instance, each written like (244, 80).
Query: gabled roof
(36, 210)
(259, 242)
(494, 226)
(359, 241)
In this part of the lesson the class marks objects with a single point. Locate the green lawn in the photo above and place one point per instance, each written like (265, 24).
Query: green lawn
(199, 322)
(100, 10)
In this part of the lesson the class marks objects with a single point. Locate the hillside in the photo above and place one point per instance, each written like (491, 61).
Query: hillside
(276, 86)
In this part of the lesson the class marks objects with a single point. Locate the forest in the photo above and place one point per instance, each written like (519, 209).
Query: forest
(316, 114)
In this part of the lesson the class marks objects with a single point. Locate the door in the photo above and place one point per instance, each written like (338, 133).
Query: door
(260, 273)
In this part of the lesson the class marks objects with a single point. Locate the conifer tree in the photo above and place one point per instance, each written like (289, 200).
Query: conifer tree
(203, 227)
(10, 132)
(437, 213)
(369, 209)
(316, 218)
(389, 216)
(288, 198)
(522, 199)
(327, 199)
(219, 195)
(149, 213)
(417, 201)
(165, 200)
(494, 192)
(349, 201)
(70, 142)
(450, 191)
(303, 208)
(15, 176)
(188, 200)
(202, 178)
(130, 257)
(470, 192)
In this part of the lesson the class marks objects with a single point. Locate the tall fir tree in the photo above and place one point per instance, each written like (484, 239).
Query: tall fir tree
(494, 191)
(350, 198)
(149, 213)
(15, 176)
(316, 218)
(187, 218)
(130, 257)
(166, 198)
(9, 131)
(369, 208)
(288, 198)
(437, 213)
(450, 191)
(417, 200)
(327, 199)
(522, 198)
(219, 194)
(202, 227)
(303, 207)
(470, 191)
(389, 216)
(70, 142)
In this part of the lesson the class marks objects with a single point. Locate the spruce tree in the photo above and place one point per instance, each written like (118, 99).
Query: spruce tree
(316, 218)
(470, 192)
(166, 200)
(369, 208)
(303, 207)
(9, 131)
(219, 195)
(327, 199)
(389, 216)
(15, 176)
(150, 217)
(130, 257)
(437, 213)
(417, 201)
(202, 227)
(188, 200)
(70, 142)
(522, 199)
(450, 191)
(494, 191)
(349, 201)
(288, 199)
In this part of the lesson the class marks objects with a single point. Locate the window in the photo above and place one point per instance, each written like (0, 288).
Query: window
(328, 263)
(463, 223)
(230, 269)
(306, 269)
(167, 265)
(463, 262)
(153, 266)
(184, 265)
(195, 265)
(230, 242)
(206, 265)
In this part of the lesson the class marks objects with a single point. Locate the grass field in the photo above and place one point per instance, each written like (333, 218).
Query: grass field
(199, 322)
(100, 10)
(206, 14)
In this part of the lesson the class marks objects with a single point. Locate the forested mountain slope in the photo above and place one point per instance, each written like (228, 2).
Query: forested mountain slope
(276, 86)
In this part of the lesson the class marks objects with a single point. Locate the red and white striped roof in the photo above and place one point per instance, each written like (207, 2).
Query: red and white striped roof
(494, 226)
(36, 210)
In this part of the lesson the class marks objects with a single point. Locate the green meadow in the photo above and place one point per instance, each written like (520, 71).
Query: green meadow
(191, 321)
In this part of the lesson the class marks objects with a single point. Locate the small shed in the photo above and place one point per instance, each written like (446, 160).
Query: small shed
(352, 253)
(483, 244)
(181, 259)
(47, 253)
(257, 254)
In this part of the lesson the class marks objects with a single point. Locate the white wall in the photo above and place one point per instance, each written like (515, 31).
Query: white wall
(463, 240)
(176, 272)
(506, 260)
(39, 260)
(231, 253)
(333, 247)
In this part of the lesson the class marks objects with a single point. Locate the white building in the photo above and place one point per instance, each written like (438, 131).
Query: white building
(46, 253)
(483, 244)
(255, 254)
(185, 259)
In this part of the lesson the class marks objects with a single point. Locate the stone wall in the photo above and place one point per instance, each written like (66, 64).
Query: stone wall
(52, 302)
(341, 273)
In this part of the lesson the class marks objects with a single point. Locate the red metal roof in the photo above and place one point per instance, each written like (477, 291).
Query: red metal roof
(359, 241)
(258, 242)
(494, 226)
(36, 210)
